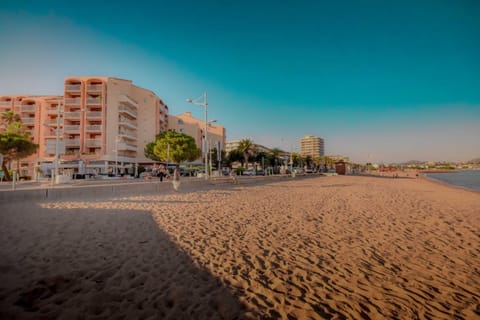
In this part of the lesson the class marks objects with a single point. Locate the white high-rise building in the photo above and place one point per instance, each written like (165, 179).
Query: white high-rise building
(312, 146)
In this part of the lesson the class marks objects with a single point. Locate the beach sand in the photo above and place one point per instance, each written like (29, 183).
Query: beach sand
(341, 247)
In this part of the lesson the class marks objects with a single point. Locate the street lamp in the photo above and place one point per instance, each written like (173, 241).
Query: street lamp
(203, 104)
(209, 147)
(55, 174)
(117, 140)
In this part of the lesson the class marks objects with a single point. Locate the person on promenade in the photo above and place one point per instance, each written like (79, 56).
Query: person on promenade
(161, 173)
(176, 179)
(233, 175)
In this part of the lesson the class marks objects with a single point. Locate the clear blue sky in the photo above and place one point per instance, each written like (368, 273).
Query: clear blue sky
(380, 81)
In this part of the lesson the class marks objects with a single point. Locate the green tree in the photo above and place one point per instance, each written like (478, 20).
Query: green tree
(215, 156)
(9, 117)
(234, 156)
(296, 159)
(261, 158)
(14, 146)
(176, 147)
(308, 161)
(247, 148)
(148, 151)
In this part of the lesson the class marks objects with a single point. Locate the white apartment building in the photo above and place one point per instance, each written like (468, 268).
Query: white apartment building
(312, 146)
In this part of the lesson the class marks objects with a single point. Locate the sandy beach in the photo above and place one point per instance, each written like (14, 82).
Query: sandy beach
(340, 247)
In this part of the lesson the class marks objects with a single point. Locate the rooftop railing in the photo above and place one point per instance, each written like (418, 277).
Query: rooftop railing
(73, 101)
(94, 87)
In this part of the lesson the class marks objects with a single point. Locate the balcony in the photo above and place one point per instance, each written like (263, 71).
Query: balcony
(94, 88)
(53, 110)
(94, 101)
(93, 143)
(127, 123)
(51, 122)
(71, 128)
(71, 115)
(73, 87)
(72, 142)
(28, 120)
(163, 109)
(127, 146)
(28, 108)
(73, 101)
(94, 114)
(127, 135)
(127, 110)
(128, 100)
(5, 103)
(94, 128)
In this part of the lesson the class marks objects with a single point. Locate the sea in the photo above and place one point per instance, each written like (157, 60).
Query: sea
(469, 179)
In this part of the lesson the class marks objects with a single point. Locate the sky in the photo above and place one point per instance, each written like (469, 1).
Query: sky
(380, 81)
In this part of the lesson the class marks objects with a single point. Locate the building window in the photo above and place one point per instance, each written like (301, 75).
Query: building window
(180, 130)
(180, 121)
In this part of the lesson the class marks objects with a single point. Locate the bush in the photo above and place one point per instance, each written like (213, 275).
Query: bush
(239, 171)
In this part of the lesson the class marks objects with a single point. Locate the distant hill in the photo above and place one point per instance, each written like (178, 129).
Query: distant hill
(411, 162)
(473, 161)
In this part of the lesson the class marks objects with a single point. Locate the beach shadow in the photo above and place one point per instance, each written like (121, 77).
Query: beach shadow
(106, 264)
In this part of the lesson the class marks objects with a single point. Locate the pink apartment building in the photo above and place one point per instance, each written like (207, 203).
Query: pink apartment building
(105, 123)
(194, 127)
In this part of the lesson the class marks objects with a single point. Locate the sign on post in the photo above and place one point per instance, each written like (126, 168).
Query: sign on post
(52, 147)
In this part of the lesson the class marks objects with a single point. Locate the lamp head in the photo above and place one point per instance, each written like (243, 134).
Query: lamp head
(189, 100)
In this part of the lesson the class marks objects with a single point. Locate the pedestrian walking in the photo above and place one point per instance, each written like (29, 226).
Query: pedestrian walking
(176, 179)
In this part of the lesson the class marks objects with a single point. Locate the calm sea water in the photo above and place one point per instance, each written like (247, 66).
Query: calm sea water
(467, 179)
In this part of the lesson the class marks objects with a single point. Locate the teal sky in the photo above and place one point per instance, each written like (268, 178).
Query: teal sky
(380, 81)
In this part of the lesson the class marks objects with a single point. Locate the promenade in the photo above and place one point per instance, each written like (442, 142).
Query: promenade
(44, 190)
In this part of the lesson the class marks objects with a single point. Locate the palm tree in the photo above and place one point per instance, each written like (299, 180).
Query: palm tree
(246, 147)
(9, 117)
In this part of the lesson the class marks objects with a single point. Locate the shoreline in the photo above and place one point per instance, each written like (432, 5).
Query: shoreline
(451, 185)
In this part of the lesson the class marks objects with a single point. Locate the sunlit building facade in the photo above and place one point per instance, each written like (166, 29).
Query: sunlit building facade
(103, 124)
(312, 146)
(186, 123)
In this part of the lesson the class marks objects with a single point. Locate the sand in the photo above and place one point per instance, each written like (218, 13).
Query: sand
(342, 247)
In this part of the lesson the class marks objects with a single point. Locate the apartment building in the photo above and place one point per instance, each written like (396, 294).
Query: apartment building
(312, 146)
(103, 125)
(30, 109)
(186, 123)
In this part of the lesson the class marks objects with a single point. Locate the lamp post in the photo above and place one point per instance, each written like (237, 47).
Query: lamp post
(203, 104)
(209, 146)
(57, 138)
(117, 140)
(57, 146)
